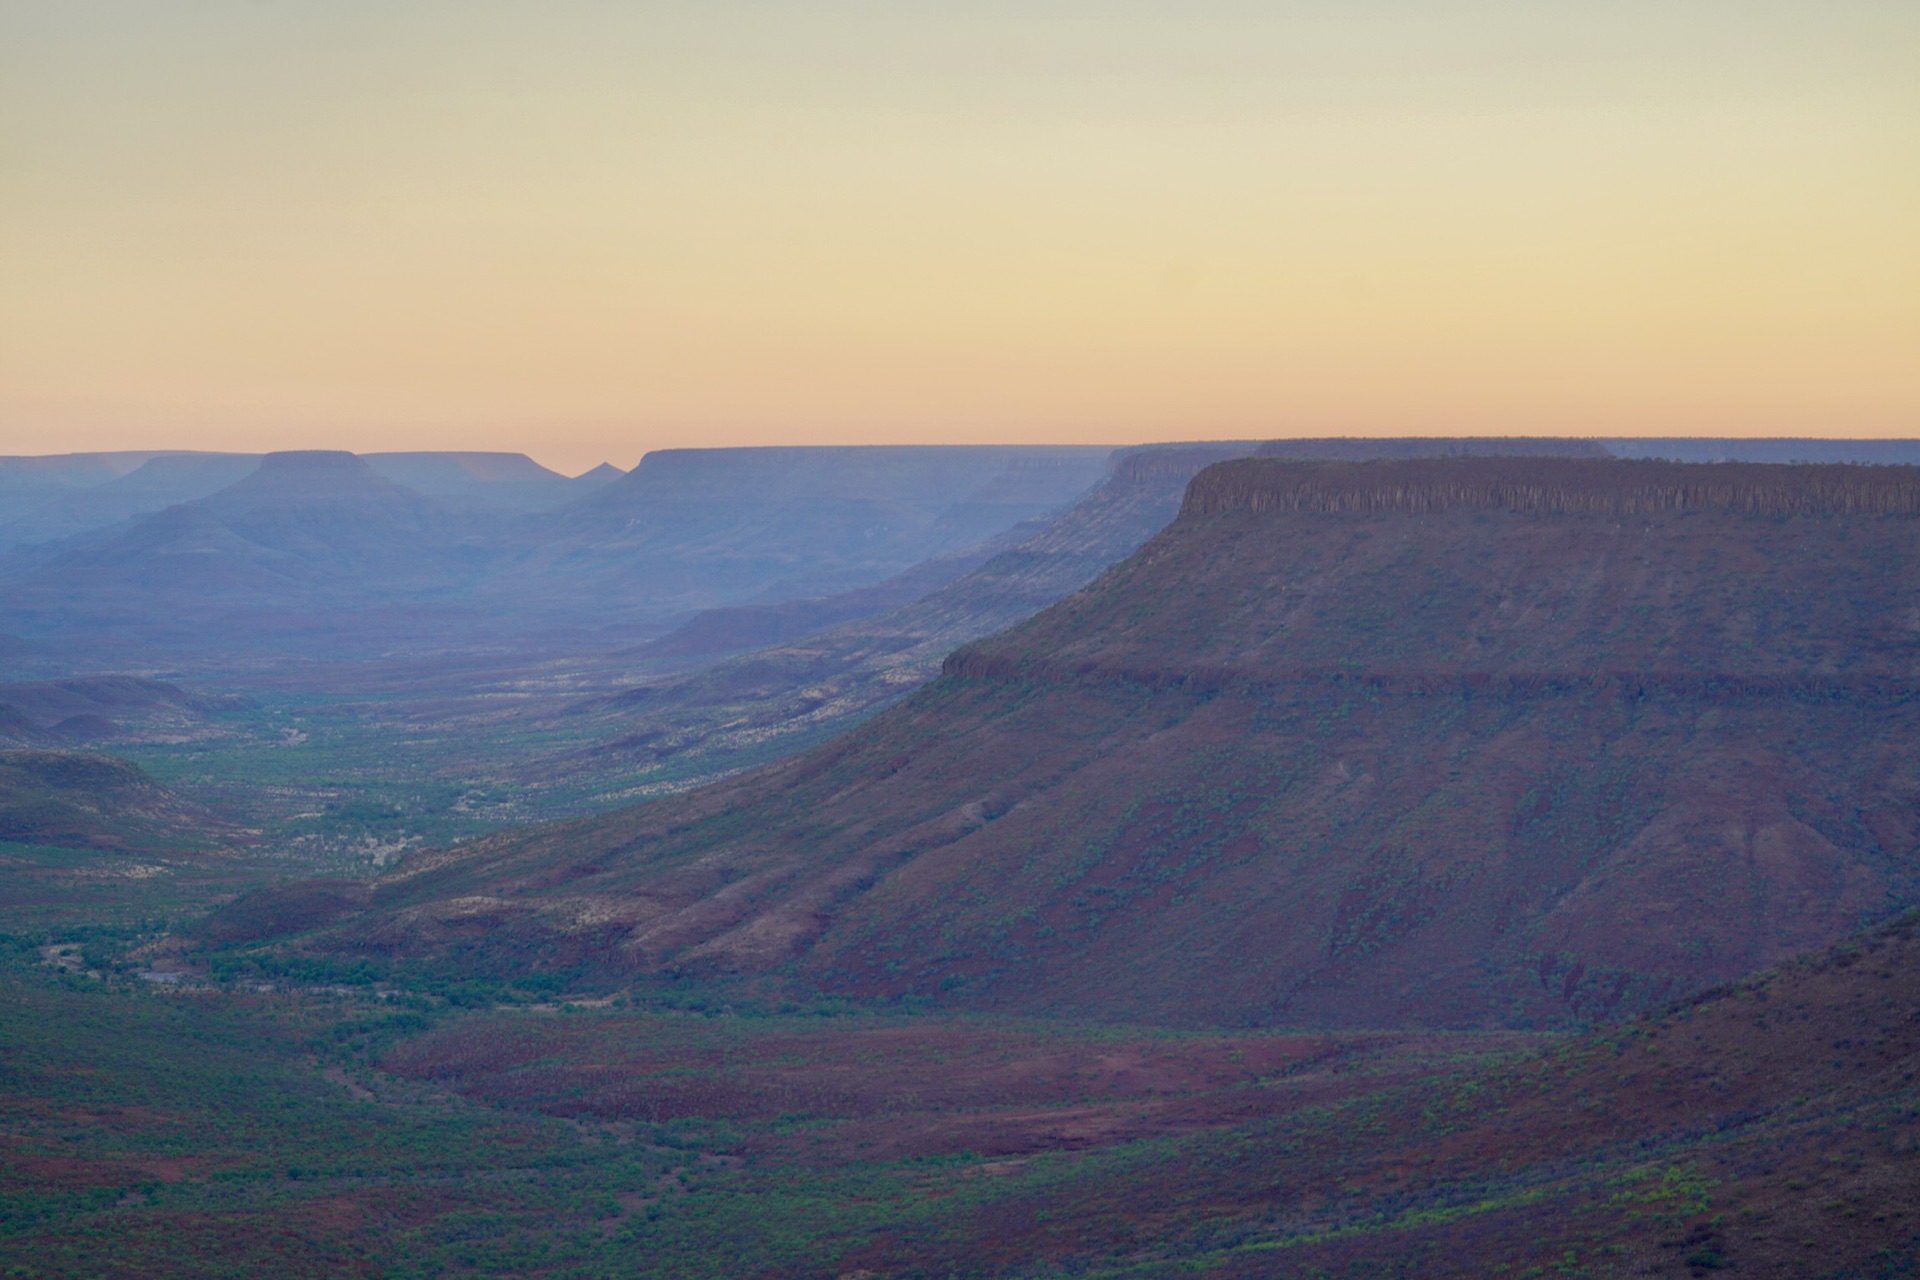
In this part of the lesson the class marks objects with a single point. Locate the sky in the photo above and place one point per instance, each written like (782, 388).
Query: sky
(585, 229)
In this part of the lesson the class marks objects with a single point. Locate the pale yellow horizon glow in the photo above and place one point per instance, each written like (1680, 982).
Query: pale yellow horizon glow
(585, 230)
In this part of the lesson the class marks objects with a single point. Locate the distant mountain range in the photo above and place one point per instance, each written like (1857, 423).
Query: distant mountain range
(43, 499)
(330, 553)
(46, 497)
(316, 554)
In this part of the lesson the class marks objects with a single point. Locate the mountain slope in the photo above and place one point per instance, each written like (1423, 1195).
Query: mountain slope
(1454, 742)
(1765, 1129)
(91, 708)
(309, 544)
(35, 477)
(156, 484)
(296, 516)
(43, 499)
(78, 801)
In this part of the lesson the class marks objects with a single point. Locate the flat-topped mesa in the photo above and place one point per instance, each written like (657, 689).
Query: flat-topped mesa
(1521, 574)
(1552, 486)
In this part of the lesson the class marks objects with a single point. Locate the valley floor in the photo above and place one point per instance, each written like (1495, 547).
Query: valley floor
(151, 1129)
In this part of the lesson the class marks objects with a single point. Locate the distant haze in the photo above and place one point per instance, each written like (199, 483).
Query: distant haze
(586, 230)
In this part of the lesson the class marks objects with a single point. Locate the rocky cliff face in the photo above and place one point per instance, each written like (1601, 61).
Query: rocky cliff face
(1553, 486)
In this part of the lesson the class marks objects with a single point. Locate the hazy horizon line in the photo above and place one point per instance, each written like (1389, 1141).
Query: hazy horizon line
(576, 459)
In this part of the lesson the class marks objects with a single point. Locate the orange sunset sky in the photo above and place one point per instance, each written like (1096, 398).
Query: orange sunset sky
(584, 230)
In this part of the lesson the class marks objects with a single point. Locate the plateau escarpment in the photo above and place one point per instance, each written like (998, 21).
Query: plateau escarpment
(1453, 742)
